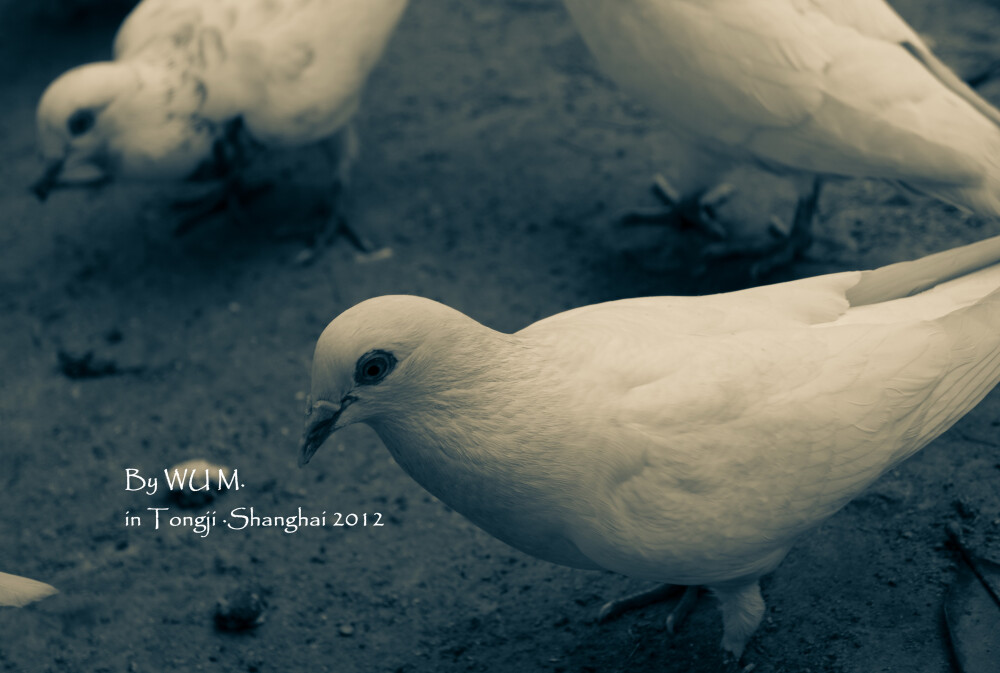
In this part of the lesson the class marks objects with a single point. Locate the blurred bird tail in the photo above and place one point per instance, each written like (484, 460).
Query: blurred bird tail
(19, 591)
(952, 81)
(984, 198)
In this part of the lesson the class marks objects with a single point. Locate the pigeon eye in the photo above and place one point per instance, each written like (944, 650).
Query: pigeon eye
(80, 122)
(373, 367)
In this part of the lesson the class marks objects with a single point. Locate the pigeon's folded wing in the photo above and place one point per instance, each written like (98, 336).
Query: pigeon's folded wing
(730, 424)
(720, 451)
(808, 301)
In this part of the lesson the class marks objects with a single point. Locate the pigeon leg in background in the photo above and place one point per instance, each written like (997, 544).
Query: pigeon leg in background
(20, 591)
(790, 242)
(230, 198)
(616, 608)
(682, 609)
(787, 241)
(341, 150)
(232, 153)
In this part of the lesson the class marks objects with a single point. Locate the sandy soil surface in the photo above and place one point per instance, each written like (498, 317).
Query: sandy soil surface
(495, 159)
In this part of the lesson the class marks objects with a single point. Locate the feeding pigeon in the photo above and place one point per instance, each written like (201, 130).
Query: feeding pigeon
(805, 88)
(19, 591)
(198, 86)
(687, 440)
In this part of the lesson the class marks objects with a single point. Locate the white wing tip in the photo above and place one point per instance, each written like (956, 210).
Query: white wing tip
(18, 591)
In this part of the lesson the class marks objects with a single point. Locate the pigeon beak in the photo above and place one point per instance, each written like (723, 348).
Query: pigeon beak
(68, 173)
(49, 179)
(321, 422)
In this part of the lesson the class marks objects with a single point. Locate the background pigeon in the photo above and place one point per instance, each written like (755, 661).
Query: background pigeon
(806, 88)
(197, 87)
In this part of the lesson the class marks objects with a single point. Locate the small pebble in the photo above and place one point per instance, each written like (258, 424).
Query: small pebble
(241, 610)
(346, 630)
(965, 509)
(379, 255)
(192, 492)
(304, 257)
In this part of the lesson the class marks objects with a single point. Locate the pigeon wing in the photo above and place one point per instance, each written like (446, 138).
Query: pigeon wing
(716, 444)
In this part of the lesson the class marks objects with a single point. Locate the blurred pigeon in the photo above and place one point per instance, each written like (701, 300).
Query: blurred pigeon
(197, 86)
(687, 440)
(807, 88)
(19, 591)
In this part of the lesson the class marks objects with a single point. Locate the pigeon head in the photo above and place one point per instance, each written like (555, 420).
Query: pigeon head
(128, 119)
(381, 359)
(76, 126)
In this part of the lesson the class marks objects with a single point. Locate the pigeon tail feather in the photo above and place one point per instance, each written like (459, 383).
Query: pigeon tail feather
(18, 591)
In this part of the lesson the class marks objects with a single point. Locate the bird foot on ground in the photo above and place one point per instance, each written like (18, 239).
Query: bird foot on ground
(614, 609)
(334, 228)
(334, 224)
(731, 664)
(366, 249)
(762, 256)
(231, 198)
(787, 241)
(755, 252)
(699, 211)
(339, 225)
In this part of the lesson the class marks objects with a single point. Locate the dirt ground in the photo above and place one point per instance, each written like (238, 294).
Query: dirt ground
(495, 159)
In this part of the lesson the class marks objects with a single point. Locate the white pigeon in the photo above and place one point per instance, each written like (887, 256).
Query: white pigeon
(19, 591)
(687, 440)
(804, 88)
(197, 85)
